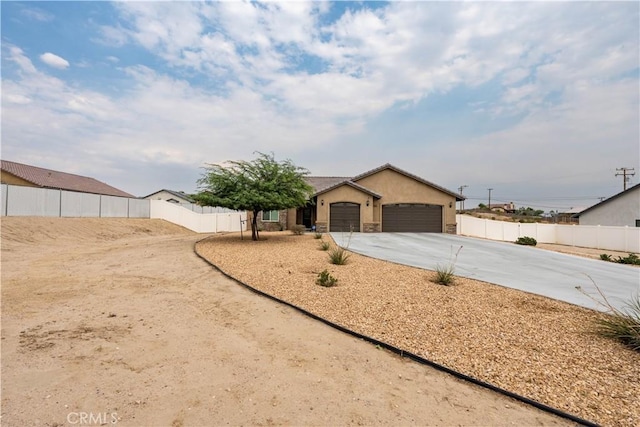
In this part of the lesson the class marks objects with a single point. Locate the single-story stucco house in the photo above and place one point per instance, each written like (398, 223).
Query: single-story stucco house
(13, 173)
(384, 199)
(170, 196)
(623, 209)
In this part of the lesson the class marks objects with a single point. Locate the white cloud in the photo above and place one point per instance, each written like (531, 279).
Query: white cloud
(231, 83)
(37, 14)
(54, 61)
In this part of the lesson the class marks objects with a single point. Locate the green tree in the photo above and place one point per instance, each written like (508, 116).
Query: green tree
(262, 184)
(529, 212)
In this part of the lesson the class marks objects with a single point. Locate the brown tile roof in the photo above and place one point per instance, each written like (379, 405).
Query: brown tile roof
(320, 183)
(48, 178)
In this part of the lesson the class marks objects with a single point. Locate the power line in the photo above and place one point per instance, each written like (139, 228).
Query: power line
(462, 187)
(625, 175)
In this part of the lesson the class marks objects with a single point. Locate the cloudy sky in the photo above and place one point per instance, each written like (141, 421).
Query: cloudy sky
(539, 101)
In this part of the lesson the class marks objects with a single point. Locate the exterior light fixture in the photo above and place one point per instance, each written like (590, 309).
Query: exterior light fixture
(322, 202)
(450, 204)
(367, 201)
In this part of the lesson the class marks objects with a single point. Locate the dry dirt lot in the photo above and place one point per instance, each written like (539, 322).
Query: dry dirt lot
(117, 320)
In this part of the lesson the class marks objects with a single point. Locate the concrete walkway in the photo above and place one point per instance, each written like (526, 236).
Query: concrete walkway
(530, 269)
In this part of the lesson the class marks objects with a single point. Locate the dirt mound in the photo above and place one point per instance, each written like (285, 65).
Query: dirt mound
(40, 230)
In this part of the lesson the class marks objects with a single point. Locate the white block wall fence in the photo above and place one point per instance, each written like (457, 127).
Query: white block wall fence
(625, 239)
(30, 201)
(198, 222)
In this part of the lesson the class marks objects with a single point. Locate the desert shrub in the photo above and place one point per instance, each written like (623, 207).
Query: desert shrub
(622, 325)
(526, 240)
(444, 274)
(317, 235)
(631, 259)
(325, 279)
(338, 256)
(298, 229)
(324, 246)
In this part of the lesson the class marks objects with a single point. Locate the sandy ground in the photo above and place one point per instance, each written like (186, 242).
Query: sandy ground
(583, 252)
(116, 321)
(537, 347)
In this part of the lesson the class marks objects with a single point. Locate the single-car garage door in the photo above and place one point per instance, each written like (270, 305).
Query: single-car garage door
(412, 217)
(344, 217)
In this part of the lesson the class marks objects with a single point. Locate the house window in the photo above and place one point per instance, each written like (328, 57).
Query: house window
(270, 216)
(637, 222)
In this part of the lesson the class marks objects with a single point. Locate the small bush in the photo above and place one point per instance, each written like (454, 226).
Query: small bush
(622, 325)
(298, 229)
(324, 246)
(317, 235)
(631, 259)
(325, 279)
(444, 274)
(528, 241)
(338, 256)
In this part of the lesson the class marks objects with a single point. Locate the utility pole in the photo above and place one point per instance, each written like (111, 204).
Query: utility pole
(625, 174)
(489, 206)
(462, 187)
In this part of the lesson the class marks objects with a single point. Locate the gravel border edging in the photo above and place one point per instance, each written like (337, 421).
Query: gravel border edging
(403, 353)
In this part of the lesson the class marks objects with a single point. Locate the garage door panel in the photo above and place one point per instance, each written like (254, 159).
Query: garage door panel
(344, 217)
(412, 217)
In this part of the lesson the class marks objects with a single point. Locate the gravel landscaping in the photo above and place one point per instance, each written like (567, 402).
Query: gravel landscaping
(534, 346)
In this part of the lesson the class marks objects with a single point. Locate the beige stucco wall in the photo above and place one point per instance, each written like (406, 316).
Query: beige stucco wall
(345, 193)
(394, 188)
(291, 218)
(10, 179)
(397, 188)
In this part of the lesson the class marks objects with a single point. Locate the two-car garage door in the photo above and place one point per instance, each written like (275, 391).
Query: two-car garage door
(412, 217)
(403, 217)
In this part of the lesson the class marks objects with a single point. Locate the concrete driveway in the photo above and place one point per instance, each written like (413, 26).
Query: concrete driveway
(530, 269)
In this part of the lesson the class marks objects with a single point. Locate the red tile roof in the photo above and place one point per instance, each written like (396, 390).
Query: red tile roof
(48, 178)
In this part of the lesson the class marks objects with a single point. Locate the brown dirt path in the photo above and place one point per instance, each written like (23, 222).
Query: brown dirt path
(119, 319)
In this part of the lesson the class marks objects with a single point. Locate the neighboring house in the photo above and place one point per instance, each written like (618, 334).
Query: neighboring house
(170, 196)
(503, 207)
(619, 210)
(569, 216)
(385, 199)
(31, 176)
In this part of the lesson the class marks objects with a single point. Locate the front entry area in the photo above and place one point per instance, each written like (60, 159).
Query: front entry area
(412, 217)
(344, 216)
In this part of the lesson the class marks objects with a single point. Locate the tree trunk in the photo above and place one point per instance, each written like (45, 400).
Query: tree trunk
(254, 226)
